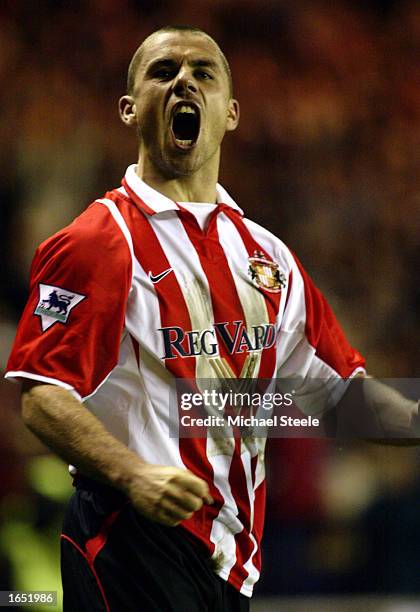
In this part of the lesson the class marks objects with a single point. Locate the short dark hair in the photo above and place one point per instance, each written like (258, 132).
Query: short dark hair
(136, 59)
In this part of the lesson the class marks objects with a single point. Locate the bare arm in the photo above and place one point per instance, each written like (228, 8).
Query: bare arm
(371, 410)
(162, 493)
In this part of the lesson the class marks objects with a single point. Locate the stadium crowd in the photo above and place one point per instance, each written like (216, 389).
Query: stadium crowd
(325, 157)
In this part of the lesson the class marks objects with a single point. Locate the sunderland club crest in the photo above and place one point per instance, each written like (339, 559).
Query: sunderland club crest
(265, 273)
(55, 304)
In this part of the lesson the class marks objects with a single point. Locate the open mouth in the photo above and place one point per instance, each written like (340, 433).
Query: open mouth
(185, 125)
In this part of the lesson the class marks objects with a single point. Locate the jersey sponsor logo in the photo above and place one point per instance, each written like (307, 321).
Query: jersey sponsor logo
(181, 343)
(55, 304)
(265, 274)
(155, 278)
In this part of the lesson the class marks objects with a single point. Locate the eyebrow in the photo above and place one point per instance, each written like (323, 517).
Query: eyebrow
(204, 63)
(171, 63)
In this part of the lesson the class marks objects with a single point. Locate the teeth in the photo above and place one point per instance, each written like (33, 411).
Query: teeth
(185, 109)
(185, 143)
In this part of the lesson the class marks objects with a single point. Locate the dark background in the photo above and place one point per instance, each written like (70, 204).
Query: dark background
(326, 157)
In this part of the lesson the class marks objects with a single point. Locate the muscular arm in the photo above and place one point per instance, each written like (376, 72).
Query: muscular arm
(161, 493)
(371, 410)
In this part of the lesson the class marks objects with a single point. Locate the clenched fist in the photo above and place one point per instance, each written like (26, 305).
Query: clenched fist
(167, 494)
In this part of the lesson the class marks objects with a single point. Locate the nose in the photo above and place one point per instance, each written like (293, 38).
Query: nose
(184, 83)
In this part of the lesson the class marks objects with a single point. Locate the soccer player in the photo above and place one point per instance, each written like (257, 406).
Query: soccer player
(165, 278)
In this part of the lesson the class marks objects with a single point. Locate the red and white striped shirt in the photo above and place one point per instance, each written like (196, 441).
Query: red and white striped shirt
(133, 293)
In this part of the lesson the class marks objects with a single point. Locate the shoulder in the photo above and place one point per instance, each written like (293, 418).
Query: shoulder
(94, 237)
(275, 247)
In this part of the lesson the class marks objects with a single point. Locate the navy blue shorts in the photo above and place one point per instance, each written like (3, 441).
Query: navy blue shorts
(115, 560)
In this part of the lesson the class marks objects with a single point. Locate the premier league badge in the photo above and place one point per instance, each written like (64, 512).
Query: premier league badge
(55, 304)
(265, 274)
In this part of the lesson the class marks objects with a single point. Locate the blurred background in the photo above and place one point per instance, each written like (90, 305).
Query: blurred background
(326, 157)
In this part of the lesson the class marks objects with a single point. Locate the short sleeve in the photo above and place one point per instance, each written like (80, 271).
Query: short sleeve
(71, 327)
(313, 349)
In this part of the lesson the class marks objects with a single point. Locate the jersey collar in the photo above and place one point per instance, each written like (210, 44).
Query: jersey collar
(152, 202)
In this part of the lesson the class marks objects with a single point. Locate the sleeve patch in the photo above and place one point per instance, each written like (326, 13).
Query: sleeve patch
(55, 304)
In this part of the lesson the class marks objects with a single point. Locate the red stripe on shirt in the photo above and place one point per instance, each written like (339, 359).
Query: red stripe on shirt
(324, 333)
(267, 371)
(226, 307)
(272, 300)
(174, 311)
(224, 296)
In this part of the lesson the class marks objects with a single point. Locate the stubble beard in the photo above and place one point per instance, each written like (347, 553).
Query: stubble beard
(171, 163)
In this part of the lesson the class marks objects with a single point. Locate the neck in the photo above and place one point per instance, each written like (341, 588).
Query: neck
(199, 186)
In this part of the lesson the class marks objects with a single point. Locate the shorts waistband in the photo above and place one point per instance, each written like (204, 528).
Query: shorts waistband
(84, 483)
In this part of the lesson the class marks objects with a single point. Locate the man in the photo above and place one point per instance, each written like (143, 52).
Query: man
(163, 278)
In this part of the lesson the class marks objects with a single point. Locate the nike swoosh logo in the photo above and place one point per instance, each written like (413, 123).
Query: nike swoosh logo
(158, 277)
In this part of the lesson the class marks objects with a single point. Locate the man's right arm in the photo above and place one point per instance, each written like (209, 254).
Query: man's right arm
(164, 494)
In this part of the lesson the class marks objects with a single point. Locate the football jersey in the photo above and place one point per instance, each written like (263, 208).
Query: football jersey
(133, 294)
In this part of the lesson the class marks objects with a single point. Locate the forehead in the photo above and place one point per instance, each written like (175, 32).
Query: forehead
(178, 46)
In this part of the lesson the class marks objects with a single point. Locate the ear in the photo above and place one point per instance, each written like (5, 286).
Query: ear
(233, 115)
(127, 110)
